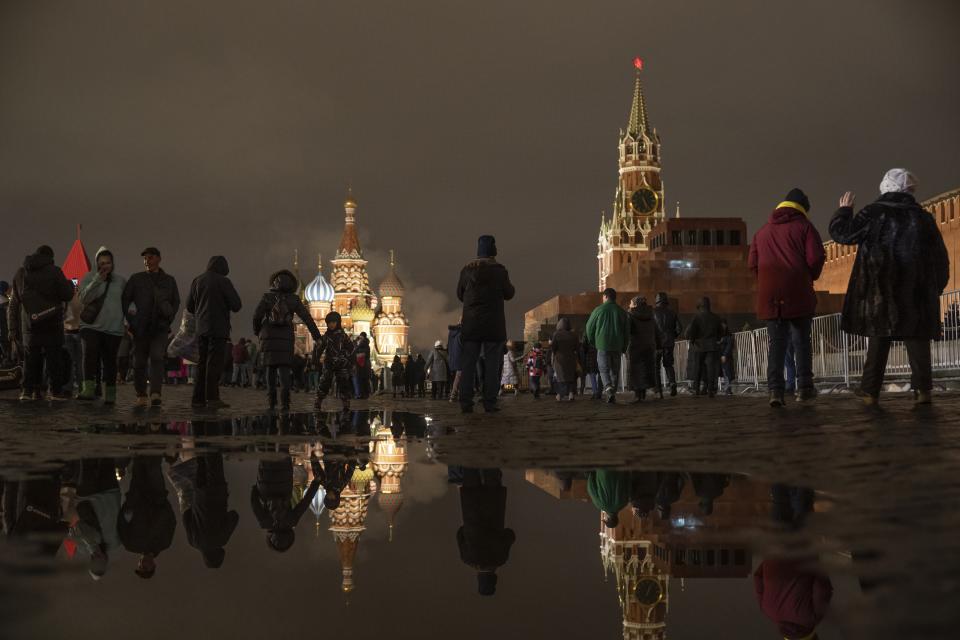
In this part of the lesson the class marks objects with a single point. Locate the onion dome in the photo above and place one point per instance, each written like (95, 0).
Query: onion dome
(361, 478)
(391, 285)
(361, 311)
(319, 290)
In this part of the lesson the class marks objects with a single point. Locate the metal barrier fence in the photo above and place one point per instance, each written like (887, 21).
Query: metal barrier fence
(839, 356)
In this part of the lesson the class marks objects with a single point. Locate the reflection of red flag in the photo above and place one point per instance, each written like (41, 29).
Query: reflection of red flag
(70, 547)
(638, 63)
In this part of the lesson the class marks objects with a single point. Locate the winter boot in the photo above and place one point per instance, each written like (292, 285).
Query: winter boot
(776, 398)
(87, 390)
(922, 397)
(110, 394)
(806, 394)
(673, 389)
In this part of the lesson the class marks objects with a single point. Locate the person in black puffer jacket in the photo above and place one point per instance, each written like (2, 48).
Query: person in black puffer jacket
(271, 504)
(35, 317)
(273, 322)
(336, 349)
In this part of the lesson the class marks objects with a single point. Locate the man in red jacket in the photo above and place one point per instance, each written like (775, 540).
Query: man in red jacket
(787, 256)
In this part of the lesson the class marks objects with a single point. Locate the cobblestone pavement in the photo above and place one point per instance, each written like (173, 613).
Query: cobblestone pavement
(891, 474)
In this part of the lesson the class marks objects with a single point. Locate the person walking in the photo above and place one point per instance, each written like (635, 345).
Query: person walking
(900, 271)
(241, 364)
(35, 317)
(398, 377)
(454, 351)
(438, 367)
(787, 257)
(563, 347)
(336, 349)
(273, 323)
(644, 342)
(361, 374)
(212, 297)
(483, 287)
(147, 522)
(509, 376)
(101, 326)
(150, 301)
(670, 329)
(536, 365)
(704, 334)
(590, 367)
(608, 330)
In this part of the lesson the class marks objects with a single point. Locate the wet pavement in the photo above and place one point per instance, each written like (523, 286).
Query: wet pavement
(731, 516)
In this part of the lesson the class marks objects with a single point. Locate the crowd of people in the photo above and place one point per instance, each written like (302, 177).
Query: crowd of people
(81, 337)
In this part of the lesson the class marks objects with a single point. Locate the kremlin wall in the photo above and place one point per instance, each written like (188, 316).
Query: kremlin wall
(640, 250)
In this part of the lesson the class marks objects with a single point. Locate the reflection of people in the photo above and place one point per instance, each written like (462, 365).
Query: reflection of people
(272, 505)
(610, 492)
(204, 506)
(147, 521)
(643, 492)
(790, 505)
(483, 539)
(32, 507)
(794, 598)
(97, 508)
(708, 487)
(671, 486)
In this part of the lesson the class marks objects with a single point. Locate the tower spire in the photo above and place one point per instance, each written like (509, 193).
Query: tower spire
(638, 122)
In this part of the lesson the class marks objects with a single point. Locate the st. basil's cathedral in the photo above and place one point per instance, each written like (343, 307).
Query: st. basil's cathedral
(348, 292)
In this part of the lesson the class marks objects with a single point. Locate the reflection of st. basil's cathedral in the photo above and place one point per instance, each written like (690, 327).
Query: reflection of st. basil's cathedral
(348, 292)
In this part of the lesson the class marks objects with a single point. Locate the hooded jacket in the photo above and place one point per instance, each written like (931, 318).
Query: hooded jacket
(644, 333)
(563, 348)
(705, 329)
(110, 318)
(787, 257)
(668, 324)
(212, 298)
(277, 340)
(484, 285)
(38, 284)
(901, 268)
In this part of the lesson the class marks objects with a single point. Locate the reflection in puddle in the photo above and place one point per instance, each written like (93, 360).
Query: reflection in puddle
(268, 521)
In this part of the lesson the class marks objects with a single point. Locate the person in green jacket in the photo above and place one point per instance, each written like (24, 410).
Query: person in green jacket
(608, 329)
(101, 336)
(610, 492)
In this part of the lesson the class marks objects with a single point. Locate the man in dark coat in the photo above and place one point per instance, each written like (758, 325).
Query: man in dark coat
(483, 539)
(787, 257)
(704, 334)
(670, 329)
(150, 301)
(212, 298)
(35, 317)
(483, 287)
(900, 271)
(207, 517)
(645, 339)
(273, 322)
(147, 522)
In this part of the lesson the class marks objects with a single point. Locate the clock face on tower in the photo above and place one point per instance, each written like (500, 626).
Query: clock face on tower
(648, 592)
(644, 201)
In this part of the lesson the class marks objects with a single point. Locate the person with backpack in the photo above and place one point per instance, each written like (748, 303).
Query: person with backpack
(212, 298)
(273, 323)
(150, 301)
(101, 326)
(336, 350)
(40, 291)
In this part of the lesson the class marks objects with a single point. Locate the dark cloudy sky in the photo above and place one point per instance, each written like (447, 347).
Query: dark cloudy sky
(232, 126)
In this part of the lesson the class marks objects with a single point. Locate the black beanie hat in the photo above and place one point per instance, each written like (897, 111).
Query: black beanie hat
(486, 583)
(333, 316)
(44, 250)
(486, 247)
(798, 196)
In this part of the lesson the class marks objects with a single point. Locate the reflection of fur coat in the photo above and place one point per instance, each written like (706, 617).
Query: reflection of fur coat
(900, 270)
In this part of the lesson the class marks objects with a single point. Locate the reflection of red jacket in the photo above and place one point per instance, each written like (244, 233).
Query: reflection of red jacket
(795, 599)
(787, 256)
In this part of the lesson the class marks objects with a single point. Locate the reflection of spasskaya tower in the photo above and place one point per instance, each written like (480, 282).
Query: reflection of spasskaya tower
(638, 204)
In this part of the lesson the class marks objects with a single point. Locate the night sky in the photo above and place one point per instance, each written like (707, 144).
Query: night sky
(233, 127)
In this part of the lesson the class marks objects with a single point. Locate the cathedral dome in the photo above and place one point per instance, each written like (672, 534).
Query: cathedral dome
(319, 290)
(361, 311)
(391, 285)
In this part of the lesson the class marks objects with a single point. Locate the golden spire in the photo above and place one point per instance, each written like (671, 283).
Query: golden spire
(392, 259)
(319, 262)
(296, 272)
(678, 209)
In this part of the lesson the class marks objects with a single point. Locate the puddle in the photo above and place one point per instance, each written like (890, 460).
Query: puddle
(270, 526)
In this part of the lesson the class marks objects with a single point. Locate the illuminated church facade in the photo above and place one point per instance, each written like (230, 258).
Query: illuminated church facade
(378, 314)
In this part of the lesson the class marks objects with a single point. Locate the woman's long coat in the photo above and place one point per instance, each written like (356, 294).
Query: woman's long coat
(900, 271)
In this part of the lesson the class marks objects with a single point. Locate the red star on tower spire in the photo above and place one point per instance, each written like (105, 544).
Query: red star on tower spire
(638, 63)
